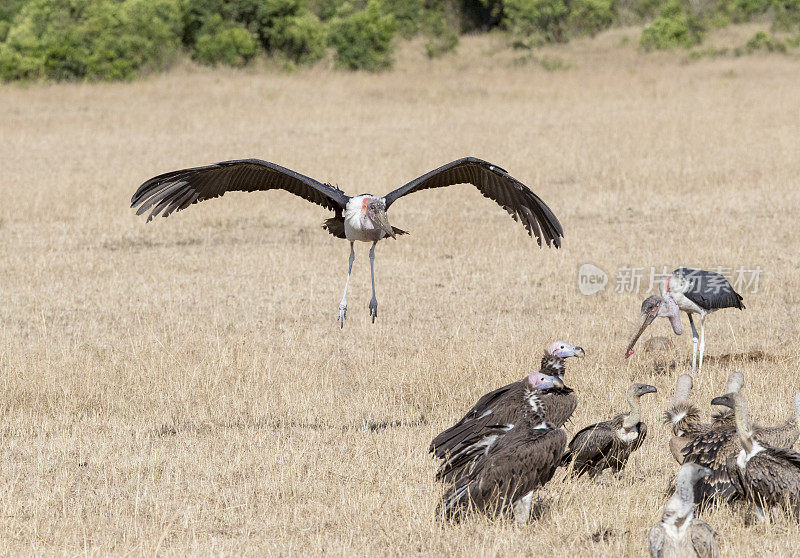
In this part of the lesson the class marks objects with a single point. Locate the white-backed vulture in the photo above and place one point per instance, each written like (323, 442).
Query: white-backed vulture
(609, 444)
(680, 534)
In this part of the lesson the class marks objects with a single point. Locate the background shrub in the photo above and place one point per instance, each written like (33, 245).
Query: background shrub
(675, 27)
(224, 42)
(89, 39)
(588, 17)
(764, 41)
(532, 19)
(787, 14)
(301, 37)
(120, 39)
(362, 38)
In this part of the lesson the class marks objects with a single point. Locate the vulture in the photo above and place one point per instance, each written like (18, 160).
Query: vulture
(765, 475)
(684, 416)
(503, 476)
(609, 444)
(355, 218)
(510, 403)
(680, 534)
(783, 435)
(720, 442)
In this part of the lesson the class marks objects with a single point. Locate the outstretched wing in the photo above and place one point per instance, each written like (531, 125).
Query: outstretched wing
(177, 190)
(496, 184)
(709, 290)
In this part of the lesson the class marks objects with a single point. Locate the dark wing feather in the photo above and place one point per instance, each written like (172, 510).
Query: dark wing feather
(704, 539)
(496, 184)
(522, 461)
(558, 404)
(179, 189)
(472, 422)
(589, 444)
(774, 476)
(712, 449)
(640, 438)
(709, 290)
(469, 451)
(781, 436)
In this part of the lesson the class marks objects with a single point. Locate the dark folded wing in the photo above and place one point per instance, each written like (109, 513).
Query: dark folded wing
(474, 421)
(709, 290)
(179, 189)
(494, 183)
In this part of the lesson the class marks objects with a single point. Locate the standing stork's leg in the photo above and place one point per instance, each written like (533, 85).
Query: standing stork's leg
(702, 340)
(343, 303)
(373, 304)
(694, 342)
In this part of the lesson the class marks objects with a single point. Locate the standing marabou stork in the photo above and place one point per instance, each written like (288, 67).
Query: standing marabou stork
(359, 218)
(694, 291)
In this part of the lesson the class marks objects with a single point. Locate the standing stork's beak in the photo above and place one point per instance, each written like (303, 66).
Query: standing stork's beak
(649, 313)
(383, 221)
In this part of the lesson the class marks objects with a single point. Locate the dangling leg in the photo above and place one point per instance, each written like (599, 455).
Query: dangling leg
(694, 342)
(373, 304)
(343, 303)
(702, 340)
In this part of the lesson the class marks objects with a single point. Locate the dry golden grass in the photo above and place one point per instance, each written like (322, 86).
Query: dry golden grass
(183, 387)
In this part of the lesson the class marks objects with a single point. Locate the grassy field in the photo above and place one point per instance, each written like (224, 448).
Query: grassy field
(183, 387)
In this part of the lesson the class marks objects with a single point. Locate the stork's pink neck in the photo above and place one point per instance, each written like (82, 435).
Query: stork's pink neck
(670, 310)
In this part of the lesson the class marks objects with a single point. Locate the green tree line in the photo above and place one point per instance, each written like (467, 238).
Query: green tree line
(121, 39)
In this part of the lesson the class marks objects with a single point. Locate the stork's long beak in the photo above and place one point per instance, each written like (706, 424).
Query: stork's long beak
(383, 222)
(644, 321)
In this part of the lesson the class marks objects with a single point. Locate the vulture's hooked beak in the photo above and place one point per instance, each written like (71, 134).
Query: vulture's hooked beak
(383, 222)
(579, 352)
(724, 401)
(644, 321)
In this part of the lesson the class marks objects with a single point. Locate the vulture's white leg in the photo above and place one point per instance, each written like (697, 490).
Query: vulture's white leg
(694, 342)
(522, 508)
(373, 304)
(758, 511)
(702, 341)
(343, 303)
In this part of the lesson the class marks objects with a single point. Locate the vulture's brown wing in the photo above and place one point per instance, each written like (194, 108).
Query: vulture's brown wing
(179, 189)
(589, 445)
(703, 539)
(473, 421)
(496, 184)
(521, 462)
(712, 449)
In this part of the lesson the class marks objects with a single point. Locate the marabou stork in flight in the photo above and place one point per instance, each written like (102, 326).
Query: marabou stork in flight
(694, 291)
(359, 218)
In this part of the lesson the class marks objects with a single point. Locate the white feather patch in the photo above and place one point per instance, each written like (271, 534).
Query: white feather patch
(626, 436)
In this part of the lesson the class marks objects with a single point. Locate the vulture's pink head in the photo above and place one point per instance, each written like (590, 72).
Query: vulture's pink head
(565, 350)
(543, 381)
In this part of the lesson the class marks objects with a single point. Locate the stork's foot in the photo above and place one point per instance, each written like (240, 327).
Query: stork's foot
(373, 309)
(342, 314)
